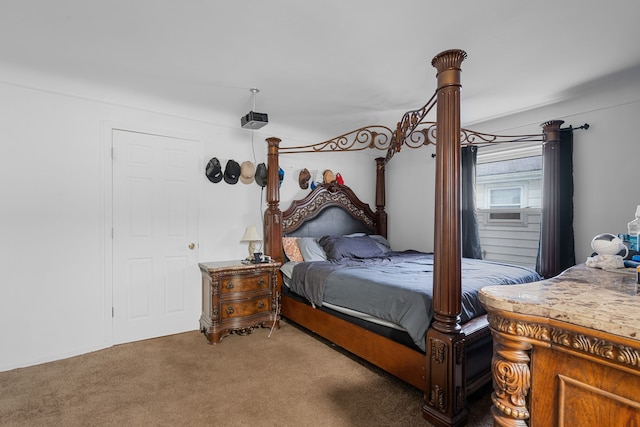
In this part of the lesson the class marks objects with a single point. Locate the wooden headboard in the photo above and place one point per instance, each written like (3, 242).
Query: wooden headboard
(333, 198)
(330, 209)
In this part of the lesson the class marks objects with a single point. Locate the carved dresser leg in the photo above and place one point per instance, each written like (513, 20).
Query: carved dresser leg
(511, 380)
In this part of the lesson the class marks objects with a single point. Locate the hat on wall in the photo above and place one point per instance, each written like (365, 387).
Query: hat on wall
(328, 177)
(280, 176)
(231, 172)
(339, 179)
(304, 178)
(214, 170)
(261, 174)
(247, 172)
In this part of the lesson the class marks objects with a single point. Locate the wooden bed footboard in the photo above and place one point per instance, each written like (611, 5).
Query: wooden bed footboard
(397, 359)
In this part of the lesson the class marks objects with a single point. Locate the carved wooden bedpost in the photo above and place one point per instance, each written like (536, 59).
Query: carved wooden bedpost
(273, 216)
(381, 215)
(445, 392)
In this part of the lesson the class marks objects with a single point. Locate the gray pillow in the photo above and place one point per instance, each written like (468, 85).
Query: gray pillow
(311, 249)
(339, 247)
(382, 243)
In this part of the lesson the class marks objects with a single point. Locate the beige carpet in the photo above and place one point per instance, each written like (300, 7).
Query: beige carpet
(289, 379)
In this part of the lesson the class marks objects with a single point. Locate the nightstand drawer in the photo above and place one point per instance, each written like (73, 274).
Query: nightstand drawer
(244, 282)
(231, 309)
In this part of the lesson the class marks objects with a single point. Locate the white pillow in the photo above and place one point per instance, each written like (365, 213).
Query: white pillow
(287, 271)
(355, 235)
(311, 249)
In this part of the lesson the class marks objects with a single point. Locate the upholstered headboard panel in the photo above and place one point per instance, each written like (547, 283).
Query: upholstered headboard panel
(330, 209)
(331, 221)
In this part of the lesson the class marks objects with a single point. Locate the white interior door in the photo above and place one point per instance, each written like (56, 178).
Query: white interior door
(156, 285)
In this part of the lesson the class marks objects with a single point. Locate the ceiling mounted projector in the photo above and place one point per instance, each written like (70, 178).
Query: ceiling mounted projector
(254, 120)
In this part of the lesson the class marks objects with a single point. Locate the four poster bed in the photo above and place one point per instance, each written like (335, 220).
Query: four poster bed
(452, 358)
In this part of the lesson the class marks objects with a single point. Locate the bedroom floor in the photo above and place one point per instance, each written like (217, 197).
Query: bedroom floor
(288, 379)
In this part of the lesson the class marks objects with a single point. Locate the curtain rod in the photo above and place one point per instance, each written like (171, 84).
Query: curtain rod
(584, 126)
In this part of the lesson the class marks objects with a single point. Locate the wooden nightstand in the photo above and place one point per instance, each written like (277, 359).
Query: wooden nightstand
(238, 297)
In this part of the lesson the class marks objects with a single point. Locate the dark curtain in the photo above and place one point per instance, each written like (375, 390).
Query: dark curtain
(470, 237)
(556, 251)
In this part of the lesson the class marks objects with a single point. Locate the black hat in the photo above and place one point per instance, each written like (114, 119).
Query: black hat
(231, 172)
(214, 170)
(261, 175)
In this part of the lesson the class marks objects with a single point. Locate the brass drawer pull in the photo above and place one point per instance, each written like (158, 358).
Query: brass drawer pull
(230, 310)
(230, 285)
(261, 304)
(261, 281)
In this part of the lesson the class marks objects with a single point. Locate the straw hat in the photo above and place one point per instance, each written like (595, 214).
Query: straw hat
(328, 177)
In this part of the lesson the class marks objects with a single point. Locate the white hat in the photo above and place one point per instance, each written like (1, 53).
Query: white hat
(247, 172)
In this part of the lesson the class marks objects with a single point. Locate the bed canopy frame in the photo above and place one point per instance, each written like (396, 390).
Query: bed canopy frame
(443, 381)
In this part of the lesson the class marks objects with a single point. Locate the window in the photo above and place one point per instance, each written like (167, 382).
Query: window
(509, 183)
(507, 197)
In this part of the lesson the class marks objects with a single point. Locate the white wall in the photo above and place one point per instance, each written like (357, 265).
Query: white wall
(410, 195)
(606, 164)
(54, 160)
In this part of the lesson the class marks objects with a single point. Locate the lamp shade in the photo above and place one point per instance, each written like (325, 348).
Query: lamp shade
(251, 235)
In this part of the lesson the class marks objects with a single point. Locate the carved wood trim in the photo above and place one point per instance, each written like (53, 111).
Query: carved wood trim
(511, 380)
(445, 393)
(322, 197)
(574, 339)
(438, 349)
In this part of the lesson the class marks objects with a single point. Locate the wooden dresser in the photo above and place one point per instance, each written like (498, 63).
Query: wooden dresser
(237, 297)
(566, 350)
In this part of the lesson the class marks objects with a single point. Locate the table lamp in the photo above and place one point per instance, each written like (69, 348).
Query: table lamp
(251, 235)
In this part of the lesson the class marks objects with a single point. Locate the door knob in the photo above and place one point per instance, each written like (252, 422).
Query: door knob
(191, 246)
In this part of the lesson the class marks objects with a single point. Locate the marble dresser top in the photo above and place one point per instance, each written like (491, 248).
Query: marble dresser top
(584, 296)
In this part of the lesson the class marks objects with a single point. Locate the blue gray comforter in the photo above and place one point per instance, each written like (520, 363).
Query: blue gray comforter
(398, 286)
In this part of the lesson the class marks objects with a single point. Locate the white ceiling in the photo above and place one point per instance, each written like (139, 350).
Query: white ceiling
(327, 66)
